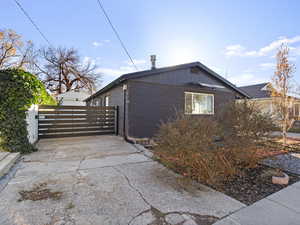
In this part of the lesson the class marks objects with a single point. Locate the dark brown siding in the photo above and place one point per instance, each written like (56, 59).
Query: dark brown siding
(182, 77)
(150, 104)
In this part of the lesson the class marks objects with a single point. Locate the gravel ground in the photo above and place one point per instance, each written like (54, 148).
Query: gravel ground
(289, 162)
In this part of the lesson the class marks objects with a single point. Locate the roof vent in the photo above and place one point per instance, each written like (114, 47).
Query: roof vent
(153, 61)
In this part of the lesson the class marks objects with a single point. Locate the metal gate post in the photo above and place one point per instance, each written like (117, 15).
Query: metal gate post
(117, 120)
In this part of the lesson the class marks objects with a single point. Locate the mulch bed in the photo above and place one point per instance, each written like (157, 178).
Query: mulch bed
(253, 185)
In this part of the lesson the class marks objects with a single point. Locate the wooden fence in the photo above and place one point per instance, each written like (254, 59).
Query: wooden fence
(70, 121)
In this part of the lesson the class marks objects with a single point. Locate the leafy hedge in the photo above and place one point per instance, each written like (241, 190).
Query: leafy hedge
(19, 90)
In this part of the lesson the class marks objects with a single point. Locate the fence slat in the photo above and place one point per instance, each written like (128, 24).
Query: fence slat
(75, 134)
(74, 130)
(110, 112)
(64, 121)
(76, 107)
(49, 126)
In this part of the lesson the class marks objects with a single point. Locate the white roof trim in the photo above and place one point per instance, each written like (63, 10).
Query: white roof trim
(211, 85)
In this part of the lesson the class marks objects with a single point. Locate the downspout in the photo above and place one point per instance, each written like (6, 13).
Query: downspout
(125, 114)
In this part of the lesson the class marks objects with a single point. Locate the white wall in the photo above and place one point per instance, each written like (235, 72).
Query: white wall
(73, 98)
(32, 123)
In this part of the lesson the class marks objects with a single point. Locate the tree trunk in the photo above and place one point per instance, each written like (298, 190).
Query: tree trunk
(284, 131)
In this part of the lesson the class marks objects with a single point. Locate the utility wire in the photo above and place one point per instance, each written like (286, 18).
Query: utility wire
(116, 33)
(32, 22)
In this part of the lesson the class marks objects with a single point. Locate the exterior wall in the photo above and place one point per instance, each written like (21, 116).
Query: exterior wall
(153, 99)
(72, 98)
(265, 105)
(32, 124)
(150, 104)
(116, 98)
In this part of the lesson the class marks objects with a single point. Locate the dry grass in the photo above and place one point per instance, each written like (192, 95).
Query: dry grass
(39, 192)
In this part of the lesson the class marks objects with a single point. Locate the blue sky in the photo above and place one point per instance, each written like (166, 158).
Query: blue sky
(236, 38)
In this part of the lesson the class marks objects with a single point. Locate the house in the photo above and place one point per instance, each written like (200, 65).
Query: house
(73, 97)
(261, 95)
(147, 98)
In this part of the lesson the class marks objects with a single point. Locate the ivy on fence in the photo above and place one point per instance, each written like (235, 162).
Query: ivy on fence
(18, 91)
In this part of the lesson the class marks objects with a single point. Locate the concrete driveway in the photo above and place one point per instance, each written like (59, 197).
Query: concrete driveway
(102, 180)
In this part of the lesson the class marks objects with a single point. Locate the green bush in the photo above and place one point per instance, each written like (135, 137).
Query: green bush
(19, 90)
(212, 150)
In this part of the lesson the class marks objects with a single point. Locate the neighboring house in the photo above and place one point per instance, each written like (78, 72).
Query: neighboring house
(260, 94)
(149, 97)
(74, 97)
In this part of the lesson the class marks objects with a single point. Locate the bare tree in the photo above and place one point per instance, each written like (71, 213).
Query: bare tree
(13, 51)
(64, 71)
(281, 90)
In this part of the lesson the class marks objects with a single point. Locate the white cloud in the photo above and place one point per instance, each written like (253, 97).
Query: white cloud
(296, 51)
(234, 50)
(109, 74)
(239, 50)
(97, 44)
(113, 72)
(100, 43)
(90, 60)
(267, 66)
(276, 44)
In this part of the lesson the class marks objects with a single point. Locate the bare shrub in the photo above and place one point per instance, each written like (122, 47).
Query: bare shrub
(244, 120)
(212, 150)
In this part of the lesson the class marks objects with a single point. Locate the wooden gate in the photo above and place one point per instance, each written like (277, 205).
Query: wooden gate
(70, 121)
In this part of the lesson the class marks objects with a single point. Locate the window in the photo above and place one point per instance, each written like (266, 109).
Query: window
(106, 100)
(199, 103)
(297, 109)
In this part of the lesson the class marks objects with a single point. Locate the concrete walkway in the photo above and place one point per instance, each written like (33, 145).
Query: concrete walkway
(280, 208)
(103, 180)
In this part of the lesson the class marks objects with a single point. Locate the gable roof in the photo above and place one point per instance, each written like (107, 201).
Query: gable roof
(256, 91)
(167, 69)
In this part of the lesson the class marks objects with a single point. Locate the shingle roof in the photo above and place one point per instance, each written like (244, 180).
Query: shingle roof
(166, 69)
(255, 91)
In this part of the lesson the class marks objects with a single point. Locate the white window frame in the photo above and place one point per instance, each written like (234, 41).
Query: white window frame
(296, 105)
(197, 93)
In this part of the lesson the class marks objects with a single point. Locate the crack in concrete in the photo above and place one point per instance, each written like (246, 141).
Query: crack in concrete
(83, 158)
(121, 164)
(159, 216)
(136, 190)
(129, 183)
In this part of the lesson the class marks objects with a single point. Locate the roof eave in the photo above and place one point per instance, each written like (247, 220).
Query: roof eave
(223, 80)
(193, 64)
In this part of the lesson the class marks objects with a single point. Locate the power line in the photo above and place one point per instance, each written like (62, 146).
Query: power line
(116, 33)
(32, 22)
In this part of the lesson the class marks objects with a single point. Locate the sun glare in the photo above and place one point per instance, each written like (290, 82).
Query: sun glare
(179, 55)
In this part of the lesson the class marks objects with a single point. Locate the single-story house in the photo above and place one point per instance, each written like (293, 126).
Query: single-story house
(261, 95)
(147, 98)
(73, 97)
